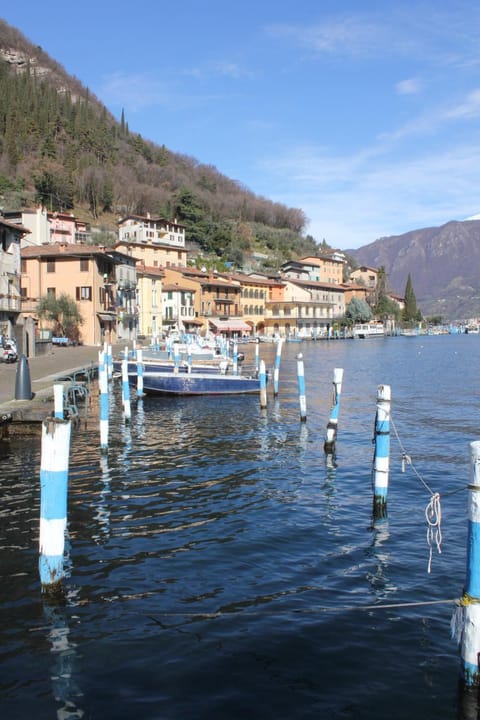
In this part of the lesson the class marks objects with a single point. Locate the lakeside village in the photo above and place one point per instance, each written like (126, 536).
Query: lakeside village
(56, 283)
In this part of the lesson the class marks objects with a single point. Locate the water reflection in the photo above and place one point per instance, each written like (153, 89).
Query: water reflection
(378, 578)
(65, 689)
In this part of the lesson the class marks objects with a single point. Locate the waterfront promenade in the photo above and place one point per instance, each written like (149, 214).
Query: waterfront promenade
(44, 370)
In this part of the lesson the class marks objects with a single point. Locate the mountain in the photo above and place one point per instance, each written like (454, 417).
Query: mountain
(60, 146)
(443, 262)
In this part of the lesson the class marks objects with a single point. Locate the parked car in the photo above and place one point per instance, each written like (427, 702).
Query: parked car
(8, 351)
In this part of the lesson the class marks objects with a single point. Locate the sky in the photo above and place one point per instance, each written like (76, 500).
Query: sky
(364, 114)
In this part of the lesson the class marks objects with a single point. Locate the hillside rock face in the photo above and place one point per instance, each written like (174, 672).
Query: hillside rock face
(443, 262)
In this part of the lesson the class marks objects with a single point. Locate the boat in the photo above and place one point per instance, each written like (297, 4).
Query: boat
(368, 330)
(162, 362)
(198, 383)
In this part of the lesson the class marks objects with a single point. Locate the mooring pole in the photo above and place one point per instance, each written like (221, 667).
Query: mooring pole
(470, 603)
(263, 384)
(53, 501)
(276, 370)
(301, 388)
(235, 357)
(257, 346)
(103, 392)
(176, 357)
(127, 408)
(381, 462)
(332, 426)
(140, 392)
(58, 400)
(109, 359)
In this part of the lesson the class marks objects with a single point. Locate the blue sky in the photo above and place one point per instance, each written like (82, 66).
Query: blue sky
(363, 114)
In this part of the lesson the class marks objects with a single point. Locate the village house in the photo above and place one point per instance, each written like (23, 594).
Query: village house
(179, 308)
(86, 273)
(154, 241)
(217, 300)
(327, 267)
(308, 309)
(254, 293)
(11, 235)
(366, 276)
(50, 227)
(149, 301)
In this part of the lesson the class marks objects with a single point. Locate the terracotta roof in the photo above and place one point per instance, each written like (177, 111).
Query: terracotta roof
(173, 287)
(59, 250)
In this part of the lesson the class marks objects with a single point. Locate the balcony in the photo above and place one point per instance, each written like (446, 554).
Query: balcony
(10, 303)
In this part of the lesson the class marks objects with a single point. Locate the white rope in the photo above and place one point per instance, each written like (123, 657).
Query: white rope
(433, 516)
(433, 511)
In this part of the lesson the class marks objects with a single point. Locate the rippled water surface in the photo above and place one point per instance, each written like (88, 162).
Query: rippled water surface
(220, 566)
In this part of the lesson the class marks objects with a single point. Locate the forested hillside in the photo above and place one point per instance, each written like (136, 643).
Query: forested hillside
(60, 146)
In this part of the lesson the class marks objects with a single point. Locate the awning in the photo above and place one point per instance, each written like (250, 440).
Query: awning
(231, 325)
(106, 318)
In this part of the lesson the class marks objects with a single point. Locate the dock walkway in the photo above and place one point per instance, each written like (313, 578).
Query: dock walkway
(44, 371)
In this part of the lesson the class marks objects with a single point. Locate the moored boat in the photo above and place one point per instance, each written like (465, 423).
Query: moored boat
(368, 330)
(199, 383)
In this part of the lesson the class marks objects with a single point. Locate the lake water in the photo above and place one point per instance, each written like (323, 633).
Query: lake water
(220, 566)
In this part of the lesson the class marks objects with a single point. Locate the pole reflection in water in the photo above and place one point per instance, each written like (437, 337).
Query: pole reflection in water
(102, 504)
(64, 688)
(378, 579)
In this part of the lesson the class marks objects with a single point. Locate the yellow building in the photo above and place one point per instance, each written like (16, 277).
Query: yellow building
(149, 301)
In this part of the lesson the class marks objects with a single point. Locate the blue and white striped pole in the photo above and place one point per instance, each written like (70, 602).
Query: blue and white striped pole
(127, 408)
(58, 401)
(469, 629)
(301, 388)
(332, 426)
(53, 501)
(109, 359)
(140, 392)
(235, 357)
(257, 346)
(262, 375)
(276, 370)
(103, 391)
(134, 350)
(381, 461)
(176, 356)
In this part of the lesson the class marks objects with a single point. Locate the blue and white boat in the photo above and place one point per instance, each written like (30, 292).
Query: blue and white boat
(198, 383)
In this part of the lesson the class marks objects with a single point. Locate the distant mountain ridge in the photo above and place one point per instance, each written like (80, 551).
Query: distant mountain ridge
(443, 262)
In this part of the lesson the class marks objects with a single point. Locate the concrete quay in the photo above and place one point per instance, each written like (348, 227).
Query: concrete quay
(44, 371)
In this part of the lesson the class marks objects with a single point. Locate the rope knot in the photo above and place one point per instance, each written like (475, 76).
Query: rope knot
(433, 516)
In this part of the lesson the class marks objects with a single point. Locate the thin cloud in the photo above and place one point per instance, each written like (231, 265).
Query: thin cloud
(411, 86)
(469, 109)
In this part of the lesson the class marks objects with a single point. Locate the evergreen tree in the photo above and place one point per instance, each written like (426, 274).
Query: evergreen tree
(410, 311)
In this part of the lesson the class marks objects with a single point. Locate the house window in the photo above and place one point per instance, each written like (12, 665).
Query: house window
(83, 293)
(23, 266)
(83, 264)
(51, 292)
(50, 266)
